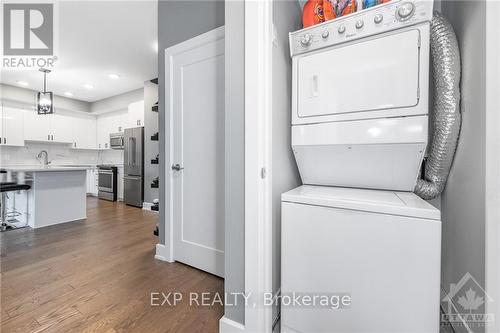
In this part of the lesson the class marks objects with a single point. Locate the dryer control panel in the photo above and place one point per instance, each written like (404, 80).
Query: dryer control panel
(382, 18)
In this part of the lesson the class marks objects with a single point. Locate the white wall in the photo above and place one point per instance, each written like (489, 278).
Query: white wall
(17, 95)
(285, 176)
(117, 102)
(493, 160)
(58, 153)
(464, 199)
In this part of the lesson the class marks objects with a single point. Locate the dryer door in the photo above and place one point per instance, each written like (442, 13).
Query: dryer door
(370, 75)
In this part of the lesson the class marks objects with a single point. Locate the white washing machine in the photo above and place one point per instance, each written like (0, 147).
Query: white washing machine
(381, 248)
(359, 134)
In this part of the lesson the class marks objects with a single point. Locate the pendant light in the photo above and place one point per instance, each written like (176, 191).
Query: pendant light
(45, 99)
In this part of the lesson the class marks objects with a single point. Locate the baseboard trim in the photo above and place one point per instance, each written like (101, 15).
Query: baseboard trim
(147, 206)
(161, 253)
(56, 223)
(227, 325)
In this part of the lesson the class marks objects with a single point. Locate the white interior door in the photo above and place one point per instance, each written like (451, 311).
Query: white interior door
(197, 147)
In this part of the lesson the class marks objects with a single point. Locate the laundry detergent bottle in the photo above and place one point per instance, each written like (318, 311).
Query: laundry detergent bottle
(313, 13)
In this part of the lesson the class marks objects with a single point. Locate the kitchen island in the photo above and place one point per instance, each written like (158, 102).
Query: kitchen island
(57, 194)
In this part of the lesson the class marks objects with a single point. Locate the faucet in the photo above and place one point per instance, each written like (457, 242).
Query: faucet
(45, 157)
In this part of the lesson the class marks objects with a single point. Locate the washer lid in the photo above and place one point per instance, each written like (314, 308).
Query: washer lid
(376, 201)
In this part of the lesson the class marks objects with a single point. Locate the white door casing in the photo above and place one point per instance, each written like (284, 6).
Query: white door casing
(194, 80)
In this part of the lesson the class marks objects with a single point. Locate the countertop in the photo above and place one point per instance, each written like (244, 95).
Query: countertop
(50, 168)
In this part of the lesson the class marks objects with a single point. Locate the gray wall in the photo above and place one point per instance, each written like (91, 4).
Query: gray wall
(285, 176)
(235, 156)
(177, 22)
(463, 201)
(118, 102)
(151, 148)
(25, 96)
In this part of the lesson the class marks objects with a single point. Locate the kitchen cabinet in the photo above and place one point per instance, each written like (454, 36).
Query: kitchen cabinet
(120, 182)
(62, 128)
(107, 124)
(36, 127)
(80, 130)
(85, 132)
(92, 181)
(135, 114)
(11, 127)
(89, 181)
(49, 127)
(102, 132)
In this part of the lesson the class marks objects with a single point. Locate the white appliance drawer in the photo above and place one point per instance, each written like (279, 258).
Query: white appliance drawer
(376, 76)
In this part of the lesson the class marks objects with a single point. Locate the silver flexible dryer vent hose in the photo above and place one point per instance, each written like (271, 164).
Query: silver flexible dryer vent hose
(445, 57)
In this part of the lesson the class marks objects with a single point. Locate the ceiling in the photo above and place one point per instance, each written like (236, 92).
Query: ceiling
(97, 39)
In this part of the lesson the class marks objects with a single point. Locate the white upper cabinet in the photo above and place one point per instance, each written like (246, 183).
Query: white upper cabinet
(49, 127)
(85, 132)
(63, 128)
(103, 132)
(80, 130)
(11, 126)
(89, 136)
(109, 123)
(36, 127)
(135, 114)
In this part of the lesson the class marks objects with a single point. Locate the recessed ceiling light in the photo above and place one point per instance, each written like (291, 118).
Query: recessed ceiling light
(68, 93)
(113, 76)
(88, 86)
(23, 83)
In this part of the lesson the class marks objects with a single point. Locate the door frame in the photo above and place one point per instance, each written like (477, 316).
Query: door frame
(258, 158)
(258, 35)
(166, 252)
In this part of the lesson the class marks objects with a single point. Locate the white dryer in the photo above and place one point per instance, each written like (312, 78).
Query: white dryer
(360, 97)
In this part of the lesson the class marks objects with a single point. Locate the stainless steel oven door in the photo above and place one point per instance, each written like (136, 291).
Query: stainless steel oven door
(106, 180)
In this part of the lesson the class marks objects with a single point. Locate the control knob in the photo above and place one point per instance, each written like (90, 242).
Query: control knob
(306, 40)
(359, 24)
(325, 34)
(341, 29)
(378, 18)
(405, 11)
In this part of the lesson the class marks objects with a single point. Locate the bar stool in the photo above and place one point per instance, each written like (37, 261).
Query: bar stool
(5, 188)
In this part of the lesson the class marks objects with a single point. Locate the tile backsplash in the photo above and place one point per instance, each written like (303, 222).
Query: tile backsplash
(59, 154)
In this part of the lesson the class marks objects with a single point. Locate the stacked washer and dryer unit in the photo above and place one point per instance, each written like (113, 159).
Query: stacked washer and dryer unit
(359, 135)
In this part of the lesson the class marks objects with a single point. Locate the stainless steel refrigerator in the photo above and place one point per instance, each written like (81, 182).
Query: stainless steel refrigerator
(133, 187)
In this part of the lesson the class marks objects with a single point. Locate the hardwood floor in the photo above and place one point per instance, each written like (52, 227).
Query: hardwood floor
(97, 275)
